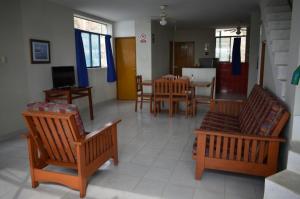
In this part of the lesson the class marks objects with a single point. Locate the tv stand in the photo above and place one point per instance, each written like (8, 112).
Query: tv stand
(69, 94)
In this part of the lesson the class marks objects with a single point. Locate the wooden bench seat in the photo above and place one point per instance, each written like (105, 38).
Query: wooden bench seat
(241, 136)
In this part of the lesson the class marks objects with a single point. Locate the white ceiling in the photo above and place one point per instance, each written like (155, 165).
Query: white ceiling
(187, 13)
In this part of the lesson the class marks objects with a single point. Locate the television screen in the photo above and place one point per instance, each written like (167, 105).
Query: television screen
(63, 76)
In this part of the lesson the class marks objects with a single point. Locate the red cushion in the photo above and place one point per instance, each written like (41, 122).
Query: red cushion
(58, 108)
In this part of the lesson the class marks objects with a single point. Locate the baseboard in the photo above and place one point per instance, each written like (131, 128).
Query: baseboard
(12, 135)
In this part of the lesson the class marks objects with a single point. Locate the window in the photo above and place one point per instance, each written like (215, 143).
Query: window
(93, 39)
(224, 44)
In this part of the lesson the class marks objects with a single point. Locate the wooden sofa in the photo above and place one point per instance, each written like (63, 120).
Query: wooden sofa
(241, 136)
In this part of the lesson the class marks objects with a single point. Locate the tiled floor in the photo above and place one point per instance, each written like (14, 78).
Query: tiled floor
(155, 162)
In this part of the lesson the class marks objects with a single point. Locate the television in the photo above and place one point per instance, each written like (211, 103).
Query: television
(63, 76)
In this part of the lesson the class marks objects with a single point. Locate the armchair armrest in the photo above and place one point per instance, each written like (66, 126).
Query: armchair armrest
(228, 107)
(97, 132)
(97, 146)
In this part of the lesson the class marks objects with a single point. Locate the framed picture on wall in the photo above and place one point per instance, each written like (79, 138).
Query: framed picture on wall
(40, 51)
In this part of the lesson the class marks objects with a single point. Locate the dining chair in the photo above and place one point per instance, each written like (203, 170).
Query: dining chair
(204, 99)
(162, 93)
(181, 92)
(142, 96)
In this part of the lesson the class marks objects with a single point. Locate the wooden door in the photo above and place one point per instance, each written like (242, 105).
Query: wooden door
(184, 56)
(126, 68)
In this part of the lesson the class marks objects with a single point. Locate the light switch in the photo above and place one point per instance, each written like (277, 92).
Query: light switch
(3, 59)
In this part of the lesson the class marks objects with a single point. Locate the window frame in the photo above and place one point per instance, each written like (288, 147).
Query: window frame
(230, 54)
(90, 33)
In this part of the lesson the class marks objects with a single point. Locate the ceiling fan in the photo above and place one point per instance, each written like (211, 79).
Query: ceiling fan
(163, 15)
(238, 30)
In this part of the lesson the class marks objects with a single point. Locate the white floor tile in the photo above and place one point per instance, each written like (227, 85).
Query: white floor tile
(178, 192)
(154, 162)
(150, 187)
(160, 174)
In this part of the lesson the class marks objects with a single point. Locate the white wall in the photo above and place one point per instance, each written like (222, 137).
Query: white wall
(200, 37)
(269, 81)
(124, 28)
(254, 49)
(23, 82)
(293, 92)
(202, 75)
(143, 50)
(161, 49)
(13, 75)
(59, 30)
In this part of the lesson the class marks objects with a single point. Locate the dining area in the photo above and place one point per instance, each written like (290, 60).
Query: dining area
(173, 94)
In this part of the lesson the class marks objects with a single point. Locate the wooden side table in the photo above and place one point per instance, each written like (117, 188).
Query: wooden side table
(69, 94)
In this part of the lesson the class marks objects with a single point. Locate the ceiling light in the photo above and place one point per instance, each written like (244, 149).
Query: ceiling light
(163, 21)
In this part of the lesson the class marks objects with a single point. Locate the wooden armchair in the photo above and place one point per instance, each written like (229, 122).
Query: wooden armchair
(57, 138)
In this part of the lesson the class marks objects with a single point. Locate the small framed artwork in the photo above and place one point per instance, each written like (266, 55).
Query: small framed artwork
(40, 51)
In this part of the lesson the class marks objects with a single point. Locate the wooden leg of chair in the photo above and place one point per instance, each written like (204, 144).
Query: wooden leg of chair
(151, 111)
(200, 156)
(199, 171)
(83, 186)
(194, 108)
(141, 104)
(186, 109)
(155, 107)
(32, 161)
(136, 102)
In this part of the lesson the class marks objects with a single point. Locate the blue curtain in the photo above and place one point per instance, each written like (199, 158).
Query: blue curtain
(236, 57)
(82, 73)
(111, 73)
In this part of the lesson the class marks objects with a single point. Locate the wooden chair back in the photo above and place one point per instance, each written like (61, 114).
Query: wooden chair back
(139, 86)
(180, 87)
(54, 134)
(169, 77)
(162, 87)
(213, 89)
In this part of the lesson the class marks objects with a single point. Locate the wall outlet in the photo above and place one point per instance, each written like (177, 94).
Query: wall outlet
(3, 59)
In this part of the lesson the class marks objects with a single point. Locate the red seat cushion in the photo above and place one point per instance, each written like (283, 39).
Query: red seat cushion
(58, 108)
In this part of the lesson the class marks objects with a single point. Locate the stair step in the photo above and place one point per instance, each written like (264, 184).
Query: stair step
(280, 45)
(279, 25)
(279, 16)
(280, 34)
(282, 73)
(282, 84)
(294, 152)
(276, 9)
(284, 184)
(281, 58)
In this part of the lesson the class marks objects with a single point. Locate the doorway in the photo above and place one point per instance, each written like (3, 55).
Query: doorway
(184, 53)
(126, 68)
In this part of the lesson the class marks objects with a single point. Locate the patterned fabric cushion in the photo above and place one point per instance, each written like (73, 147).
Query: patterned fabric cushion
(261, 113)
(271, 120)
(58, 108)
(220, 122)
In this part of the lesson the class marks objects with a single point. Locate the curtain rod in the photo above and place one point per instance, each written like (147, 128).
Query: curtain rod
(92, 32)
